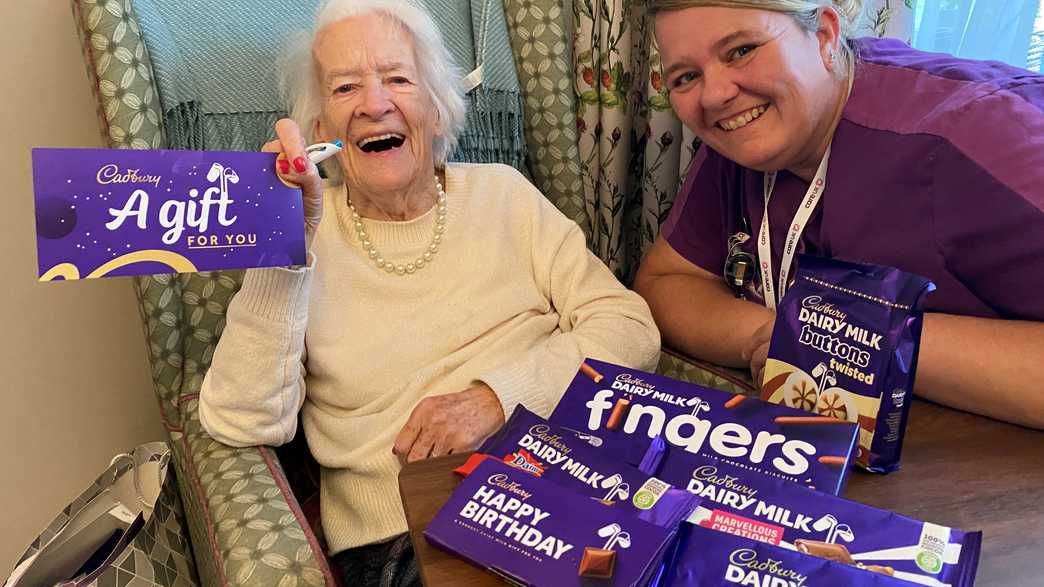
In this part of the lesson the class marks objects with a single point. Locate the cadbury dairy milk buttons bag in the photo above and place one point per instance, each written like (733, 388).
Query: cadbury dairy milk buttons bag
(705, 558)
(845, 346)
(532, 444)
(532, 531)
(752, 505)
(623, 409)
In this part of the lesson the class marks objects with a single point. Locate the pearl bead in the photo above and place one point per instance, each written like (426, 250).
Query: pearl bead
(420, 262)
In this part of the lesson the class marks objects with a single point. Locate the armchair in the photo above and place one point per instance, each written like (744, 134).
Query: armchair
(252, 513)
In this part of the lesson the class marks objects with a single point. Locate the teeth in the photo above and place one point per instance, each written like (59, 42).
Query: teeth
(369, 140)
(743, 119)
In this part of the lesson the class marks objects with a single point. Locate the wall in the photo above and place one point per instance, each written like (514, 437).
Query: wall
(75, 381)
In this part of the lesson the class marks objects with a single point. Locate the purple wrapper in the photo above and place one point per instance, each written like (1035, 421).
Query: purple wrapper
(705, 558)
(535, 532)
(118, 212)
(751, 505)
(845, 345)
(627, 408)
(532, 444)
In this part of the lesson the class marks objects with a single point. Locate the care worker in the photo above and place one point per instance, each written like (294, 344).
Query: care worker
(860, 149)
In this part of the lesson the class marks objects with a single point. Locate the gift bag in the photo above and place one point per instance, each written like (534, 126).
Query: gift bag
(124, 530)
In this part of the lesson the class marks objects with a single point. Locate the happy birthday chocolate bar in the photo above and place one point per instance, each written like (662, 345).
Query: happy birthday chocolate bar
(116, 212)
(532, 531)
(624, 409)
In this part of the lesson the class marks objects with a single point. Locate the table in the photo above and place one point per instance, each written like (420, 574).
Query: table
(959, 470)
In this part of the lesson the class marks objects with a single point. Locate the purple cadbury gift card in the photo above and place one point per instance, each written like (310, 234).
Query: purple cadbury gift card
(108, 213)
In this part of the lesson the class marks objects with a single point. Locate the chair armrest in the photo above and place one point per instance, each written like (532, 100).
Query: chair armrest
(246, 526)
(678, 365)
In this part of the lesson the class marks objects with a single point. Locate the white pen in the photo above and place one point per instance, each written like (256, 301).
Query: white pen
(320, 152)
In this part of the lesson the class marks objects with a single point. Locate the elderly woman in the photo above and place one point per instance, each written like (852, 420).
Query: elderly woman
(438, 296)
(920, 161)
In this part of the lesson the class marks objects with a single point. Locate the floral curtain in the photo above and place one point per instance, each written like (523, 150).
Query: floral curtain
(633, 150)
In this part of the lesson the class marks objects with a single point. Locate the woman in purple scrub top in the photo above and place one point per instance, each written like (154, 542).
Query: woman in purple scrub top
(922, 161)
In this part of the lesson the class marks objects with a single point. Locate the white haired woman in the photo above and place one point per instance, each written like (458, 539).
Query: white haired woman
(920, 161)
(438, 296)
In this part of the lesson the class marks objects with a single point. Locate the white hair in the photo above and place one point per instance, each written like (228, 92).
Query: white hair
(439, 76)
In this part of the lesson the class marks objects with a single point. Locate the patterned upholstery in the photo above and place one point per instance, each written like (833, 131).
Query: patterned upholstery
(246, 526)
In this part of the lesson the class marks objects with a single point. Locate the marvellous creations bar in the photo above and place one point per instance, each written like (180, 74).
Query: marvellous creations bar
(531, 444)
(621, 410)
(535, 532)
(113, 212)
(766, 509)
(845, 346)
(704, 558)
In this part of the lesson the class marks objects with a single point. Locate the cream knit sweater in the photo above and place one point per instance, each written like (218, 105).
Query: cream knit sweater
(513, 298)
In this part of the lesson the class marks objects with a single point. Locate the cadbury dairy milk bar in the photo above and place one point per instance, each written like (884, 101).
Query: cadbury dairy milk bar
(532, 531)
(528, 442)
(766, 509)
(845, 345)
(705, 558)
(622, 410)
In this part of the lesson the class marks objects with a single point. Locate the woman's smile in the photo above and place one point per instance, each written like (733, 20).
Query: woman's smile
(741, 120)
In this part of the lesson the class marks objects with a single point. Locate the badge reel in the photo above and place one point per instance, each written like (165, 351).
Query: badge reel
(740, 265)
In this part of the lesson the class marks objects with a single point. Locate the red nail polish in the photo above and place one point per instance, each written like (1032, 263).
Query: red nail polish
(300, 165)
(284, 166)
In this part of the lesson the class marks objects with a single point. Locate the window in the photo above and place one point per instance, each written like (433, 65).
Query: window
(1004, 30)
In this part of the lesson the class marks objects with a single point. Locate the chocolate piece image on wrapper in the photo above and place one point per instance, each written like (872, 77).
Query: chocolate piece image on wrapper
(619, 413)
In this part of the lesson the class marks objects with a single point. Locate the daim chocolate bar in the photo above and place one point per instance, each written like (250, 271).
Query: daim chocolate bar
(750, 505)
(532, 444)
(532, 531)
(705, 558)
(626, 408)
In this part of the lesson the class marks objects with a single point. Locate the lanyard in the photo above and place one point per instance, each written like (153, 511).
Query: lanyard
(804, 212)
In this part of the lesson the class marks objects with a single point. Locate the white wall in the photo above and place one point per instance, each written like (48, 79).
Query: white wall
(74, 377)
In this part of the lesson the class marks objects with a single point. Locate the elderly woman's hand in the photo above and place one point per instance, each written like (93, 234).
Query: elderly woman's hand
(294, 166)
(445, 424)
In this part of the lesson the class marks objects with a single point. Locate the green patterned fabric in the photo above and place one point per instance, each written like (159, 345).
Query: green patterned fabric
(693, 371)
(245, 525)
(540, 41)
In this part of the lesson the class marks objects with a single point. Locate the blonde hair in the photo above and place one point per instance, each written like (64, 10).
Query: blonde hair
(805, 12)
(299, 80)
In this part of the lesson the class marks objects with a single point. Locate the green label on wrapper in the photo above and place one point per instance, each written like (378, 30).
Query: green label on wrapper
(929, 561)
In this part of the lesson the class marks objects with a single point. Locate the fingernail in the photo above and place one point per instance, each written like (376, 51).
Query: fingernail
(300, 165)
(284, 166)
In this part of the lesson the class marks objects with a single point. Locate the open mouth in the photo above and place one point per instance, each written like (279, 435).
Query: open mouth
(381, 143)
(743, 119)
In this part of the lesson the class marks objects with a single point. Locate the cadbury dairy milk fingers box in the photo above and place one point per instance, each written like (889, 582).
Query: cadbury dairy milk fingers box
(532, 531)
(531, 444)
(751, 505)
(845, 345)
(624, 409)
(705, 558)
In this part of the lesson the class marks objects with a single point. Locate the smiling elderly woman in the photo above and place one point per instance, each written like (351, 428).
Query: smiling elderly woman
(438, 296)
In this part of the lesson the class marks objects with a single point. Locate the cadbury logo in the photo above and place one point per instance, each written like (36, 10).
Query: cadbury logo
(816, 303)
(745, 568)
(540, 432)
(111, 174)
(504, 482)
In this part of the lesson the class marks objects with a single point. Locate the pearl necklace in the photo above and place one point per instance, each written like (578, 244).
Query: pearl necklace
(419, 262)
